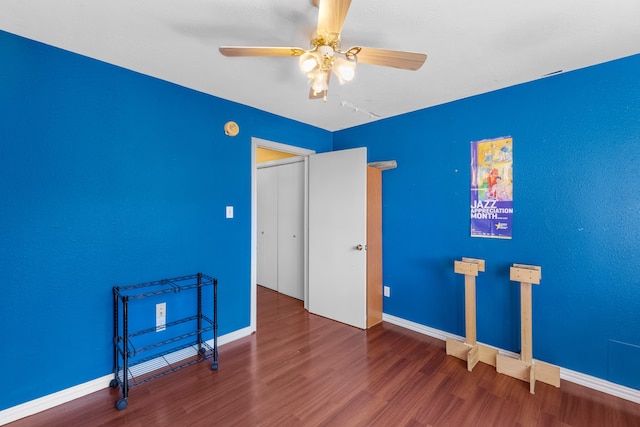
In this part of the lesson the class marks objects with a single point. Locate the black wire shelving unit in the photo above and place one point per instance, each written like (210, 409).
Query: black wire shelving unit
(136, 358)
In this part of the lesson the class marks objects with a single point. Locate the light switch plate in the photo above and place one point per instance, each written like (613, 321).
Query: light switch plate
(229, 211)
(161, 316)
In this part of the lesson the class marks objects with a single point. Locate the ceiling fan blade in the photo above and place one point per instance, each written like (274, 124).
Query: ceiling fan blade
(260, 51)
(389, 58)
(331, 15)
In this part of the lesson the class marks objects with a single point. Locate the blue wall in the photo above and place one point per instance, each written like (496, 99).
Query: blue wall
(577, 215)
(109, 177)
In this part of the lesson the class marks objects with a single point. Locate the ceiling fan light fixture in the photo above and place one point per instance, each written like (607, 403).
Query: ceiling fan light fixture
(319, 81)
(309, 61)
(344, 69)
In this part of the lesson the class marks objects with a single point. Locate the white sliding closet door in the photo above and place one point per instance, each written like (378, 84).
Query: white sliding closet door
(267, 222)
(280, 240)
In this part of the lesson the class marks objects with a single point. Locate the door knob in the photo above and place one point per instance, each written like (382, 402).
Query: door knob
(360, 247)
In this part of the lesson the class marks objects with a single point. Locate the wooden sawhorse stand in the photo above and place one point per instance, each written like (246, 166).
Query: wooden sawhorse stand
(470, 350)
(524, 368)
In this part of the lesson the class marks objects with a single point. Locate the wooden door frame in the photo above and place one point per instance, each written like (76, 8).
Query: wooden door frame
(276, 146)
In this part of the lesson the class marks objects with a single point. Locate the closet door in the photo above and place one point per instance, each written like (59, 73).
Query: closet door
(291, 229)
(267, 222)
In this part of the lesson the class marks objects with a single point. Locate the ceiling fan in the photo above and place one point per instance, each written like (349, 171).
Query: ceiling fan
(326, 55)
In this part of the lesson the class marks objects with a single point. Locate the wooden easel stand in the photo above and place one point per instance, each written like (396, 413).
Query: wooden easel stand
(470, 350)
(524, 368)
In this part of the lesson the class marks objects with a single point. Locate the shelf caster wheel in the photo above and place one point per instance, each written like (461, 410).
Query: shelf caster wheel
(202, 352)
(214, 366)
(121, 404)
(114, 383)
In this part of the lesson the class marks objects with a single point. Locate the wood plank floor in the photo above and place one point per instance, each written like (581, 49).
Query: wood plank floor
(304, 370)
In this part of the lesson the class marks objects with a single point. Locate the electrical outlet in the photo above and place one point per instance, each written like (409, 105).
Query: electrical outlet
(161, 316)
(387, 291)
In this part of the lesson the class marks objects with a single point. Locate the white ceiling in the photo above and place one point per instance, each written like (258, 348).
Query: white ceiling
(473, 46)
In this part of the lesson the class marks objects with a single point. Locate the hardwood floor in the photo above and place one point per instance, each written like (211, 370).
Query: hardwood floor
(304, 370)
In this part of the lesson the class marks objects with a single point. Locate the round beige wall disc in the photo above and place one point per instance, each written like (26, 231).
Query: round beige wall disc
(231, 128)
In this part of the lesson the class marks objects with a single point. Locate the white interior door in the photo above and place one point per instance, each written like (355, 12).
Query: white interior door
(291, 229)
(337, 236)
(267, 224)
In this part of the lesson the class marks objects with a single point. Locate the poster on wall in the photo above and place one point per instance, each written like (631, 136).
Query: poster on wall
(492, 188)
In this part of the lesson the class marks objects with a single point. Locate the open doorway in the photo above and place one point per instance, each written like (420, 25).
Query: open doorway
(287, 154)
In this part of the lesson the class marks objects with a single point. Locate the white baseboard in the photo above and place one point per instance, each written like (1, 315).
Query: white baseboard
(63, 396)
(594, 383)
(233, 336)
(604, 386)
(46, 402)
